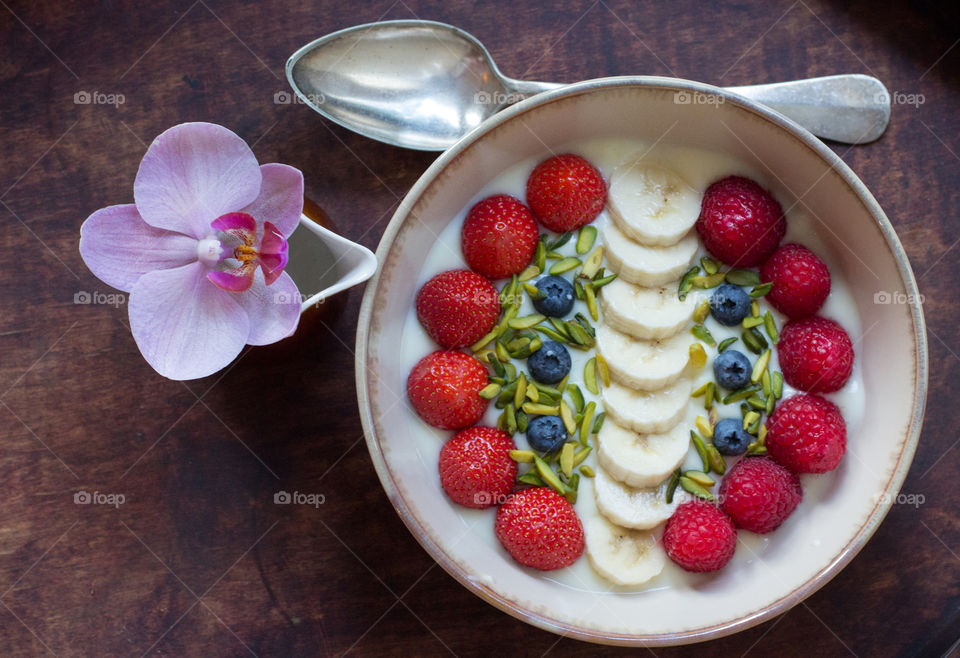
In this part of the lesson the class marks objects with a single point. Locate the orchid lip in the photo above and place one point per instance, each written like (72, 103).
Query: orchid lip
(240, 252)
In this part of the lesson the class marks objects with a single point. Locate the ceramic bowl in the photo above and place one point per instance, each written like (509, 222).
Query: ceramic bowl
(801, 556)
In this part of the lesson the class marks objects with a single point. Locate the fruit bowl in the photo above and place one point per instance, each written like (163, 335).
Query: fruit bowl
(827, 530)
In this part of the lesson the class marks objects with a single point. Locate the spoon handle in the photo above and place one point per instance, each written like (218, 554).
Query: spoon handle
(851, 108)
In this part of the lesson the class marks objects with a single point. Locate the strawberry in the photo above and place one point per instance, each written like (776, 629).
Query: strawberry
(444, 389)
(699, 536)
(807, 434)
(540, 529)
(499, 237)
(816, 355)
(458, 307)
(740, 223)
(759, 494)
(565, 192)
(476, 469)
(801, 281)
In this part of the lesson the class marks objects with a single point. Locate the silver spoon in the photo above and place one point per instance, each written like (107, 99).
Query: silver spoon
(422, 85)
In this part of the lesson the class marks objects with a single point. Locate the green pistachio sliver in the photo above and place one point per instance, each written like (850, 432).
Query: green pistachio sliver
(579, 334)
(560, 327)
(531, 272)
(602, 281)
(497, 380)
(725, 343)
(709, 281)
(554, 255)
(566, 459)
(696, 489)
(598, 422)
(517, 343)
(603, 369)
(540, 256)
(526, 322)
(483, 342)
(755, 308)
(741, 277)
(585, 323)
(508, 290)
(765, 382)
(511, 420)
(700, 478)
(548, 390)
(742, 394)
(578, 290)
(776, 384)
(759, 450)
(548, 475)
(490, 391)
(510, 371)
(572, 486)
(717, 464)
(581, 454)
(585, 239)
(760, 366)
(591, 296)
(686, 282)
(552, 334)
(508, 315)
(531, 478)
(561, 240)
(703, 334)
(701, 450)
(751, 321)
(532, 393)
(587, 420)
(757, 402)
(749, 419)
(744, 409)
(540, 409)
(759, 337)
(564, 265)
(754, 427)
(709, 265)
(502, 355)
(771, 403)
(529, 349)
(506, 394)
(590, 376)
(587, 471)
(576, 395)
(533, 291)
(703, 310)
(713, 417)
(592, 264)
(701, 390)
(566, 415)
(672, 485)
(521, 393)
(762, 435)
(711, 394)
(761, 290)
(547, 399)
(523, 420)
(750, 341)
(771, 326)
(496, 362)
(705, 427)
(522, 456)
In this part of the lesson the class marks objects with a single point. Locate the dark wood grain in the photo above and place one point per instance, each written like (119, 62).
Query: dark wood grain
(198, 560)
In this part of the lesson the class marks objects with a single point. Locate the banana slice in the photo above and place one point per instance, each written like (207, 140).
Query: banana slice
(652, 204)
(621, 555)
(642, 265)
(647, 412)
(645, 313)
(644, 365)
(634, 508)
(641, 460)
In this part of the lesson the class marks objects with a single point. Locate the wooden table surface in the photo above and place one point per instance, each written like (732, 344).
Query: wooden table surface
(198, 560)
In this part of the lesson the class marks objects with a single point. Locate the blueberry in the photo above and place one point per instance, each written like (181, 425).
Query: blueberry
(546, 434)
(732, 370)
(557, 297)
(730, 438)
(729, 304)
(550, 363)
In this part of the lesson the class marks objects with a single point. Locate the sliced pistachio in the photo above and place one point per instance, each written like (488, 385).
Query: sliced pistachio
(696, 489)
(585, 239)
(717, 464)
(502, 355)
(771, 403)
(761, 290)
(592, 264)
(751, 321)
(710, 396)
(587, 471)
(702, 311)
(560, 327)
(725, 343)
(771, 326)
(700, 390)
(700, 478)
(672, 485)
(603, 370)
(548, 390)
(751, 342)
(598, 422)
(564, 265)
(755, 308)
(522, 456)
(508, 315)
(585, 423)
(531, 272)
(762, 434)
(704, 427)
(531, 478)
(546, 398)
(701, 450)
(590, 376)
(776, 384)
(591, 296)
(600, 282)
(742, 277)
(561, 240)
(754, 427)
(506, 394)
(510, 371)
(702, 333)
(540, 409)
(686, 282)
(736, 396)
(554, 255)
(698, 356)
(759, 337)
(577, 396)
(567, 417)
(765, 382)
(511, 420)
(490, 391)
(585, 323)
(529, 349)
(712, 417)
(757, 402)
(532, 393)
(540, 256)
(483, 342)
(750, 418)
(579, 334)
(566, 459)
(578, 290)
(709, 265)
(527, 321)
(523, 420)
(760, 367)
(508, 290)
(580, 455)
(755, 449)
(517, 343)
(533, 291)
(521, 393)
(708, 281)
(551, 334)
(548, 475)
(572, 487)
(493, 358)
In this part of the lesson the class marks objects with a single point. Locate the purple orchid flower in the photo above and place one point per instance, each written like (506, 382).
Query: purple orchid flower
(202, 251)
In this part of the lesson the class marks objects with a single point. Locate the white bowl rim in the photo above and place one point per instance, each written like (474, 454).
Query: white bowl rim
(881, 507)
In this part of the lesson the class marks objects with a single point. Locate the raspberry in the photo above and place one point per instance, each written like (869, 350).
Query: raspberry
(565, 192)
(740, 223)
(475, 467)
(801, 281)
(444, 389)
(499, 237)
(699, 536)
(458, 307)
(807, 434)
(816, 355)
(540, 529)
(759, 494)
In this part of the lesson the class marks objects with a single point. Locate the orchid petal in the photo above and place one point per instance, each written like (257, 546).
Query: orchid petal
(273, 311)
(281, 197)
(185, 327)
(193, 173)
(119, 247)
(274, 252)
(236, 279)
(239, 224)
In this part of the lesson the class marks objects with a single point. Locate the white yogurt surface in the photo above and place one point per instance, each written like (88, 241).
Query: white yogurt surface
(700, 168)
